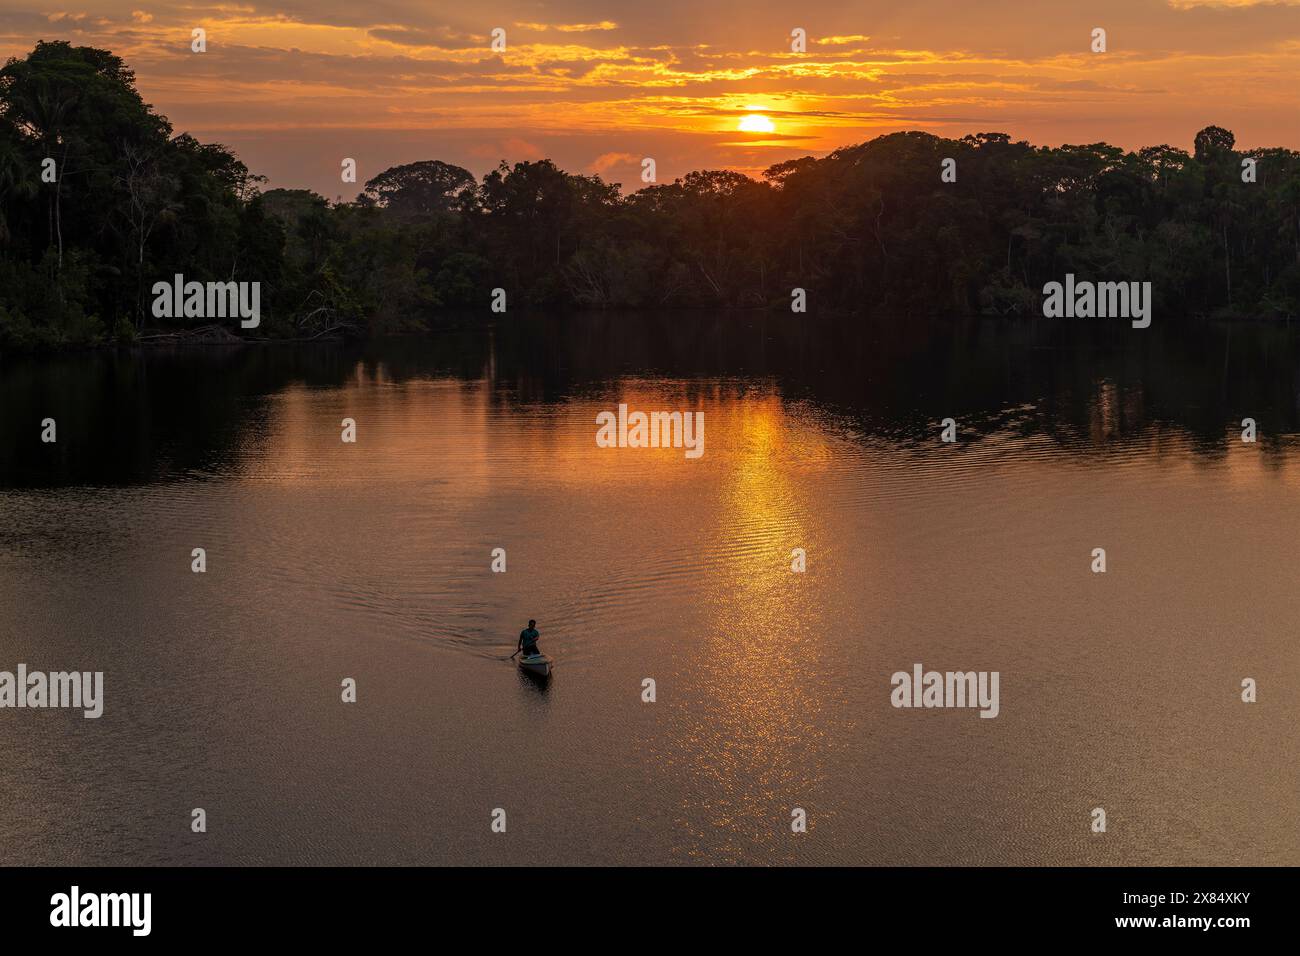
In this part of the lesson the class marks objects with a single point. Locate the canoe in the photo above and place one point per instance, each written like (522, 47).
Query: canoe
(538, 664)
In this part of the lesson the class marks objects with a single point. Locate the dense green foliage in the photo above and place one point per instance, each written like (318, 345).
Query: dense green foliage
(868, 228)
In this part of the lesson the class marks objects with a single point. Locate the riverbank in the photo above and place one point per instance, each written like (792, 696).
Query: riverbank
(834, 324)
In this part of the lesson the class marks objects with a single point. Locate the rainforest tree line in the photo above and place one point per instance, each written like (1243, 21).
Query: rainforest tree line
(868, 228)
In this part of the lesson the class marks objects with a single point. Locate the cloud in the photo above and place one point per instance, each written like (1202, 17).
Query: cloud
(569, 27)
(1185, 4)
(669, 78)
(441, 36)
(511, 149)
(607, 161)
(841, 41)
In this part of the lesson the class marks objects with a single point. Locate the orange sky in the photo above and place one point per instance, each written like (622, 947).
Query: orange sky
(296, 86)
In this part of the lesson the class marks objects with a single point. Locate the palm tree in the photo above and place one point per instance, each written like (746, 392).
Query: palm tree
(15, 180)
(39, 109)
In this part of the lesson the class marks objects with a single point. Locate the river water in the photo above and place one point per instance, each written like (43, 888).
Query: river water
(371, 560)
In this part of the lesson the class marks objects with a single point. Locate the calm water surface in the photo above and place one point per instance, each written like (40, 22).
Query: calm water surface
(371, 560)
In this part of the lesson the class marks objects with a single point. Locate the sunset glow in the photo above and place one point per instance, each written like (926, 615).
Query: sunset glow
(757, 123)
(292, 85)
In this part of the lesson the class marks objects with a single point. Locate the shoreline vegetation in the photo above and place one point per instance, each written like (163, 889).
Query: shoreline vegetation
(100, 199)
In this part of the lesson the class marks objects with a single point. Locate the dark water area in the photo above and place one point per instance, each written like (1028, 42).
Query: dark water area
(371, 561)
(146, 414)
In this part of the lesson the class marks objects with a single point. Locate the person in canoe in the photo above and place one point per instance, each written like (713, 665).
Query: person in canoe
(528, 640)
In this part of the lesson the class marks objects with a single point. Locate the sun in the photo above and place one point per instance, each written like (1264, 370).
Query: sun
(756, 123)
